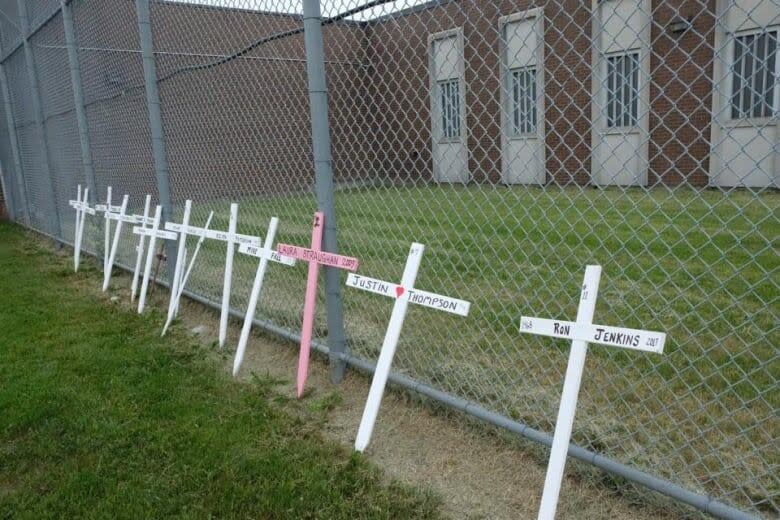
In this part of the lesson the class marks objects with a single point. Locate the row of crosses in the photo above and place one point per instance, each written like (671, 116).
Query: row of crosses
(580, 332)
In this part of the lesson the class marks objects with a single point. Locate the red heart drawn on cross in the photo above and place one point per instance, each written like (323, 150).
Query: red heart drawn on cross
(398, 291)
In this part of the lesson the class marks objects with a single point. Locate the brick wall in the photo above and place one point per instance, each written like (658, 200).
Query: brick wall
(243, 127)
(680, 90)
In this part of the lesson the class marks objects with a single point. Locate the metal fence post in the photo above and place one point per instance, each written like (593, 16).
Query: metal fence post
(35, 95)
(155, 121)
(323, 175)
(78, 98)
(14, 142)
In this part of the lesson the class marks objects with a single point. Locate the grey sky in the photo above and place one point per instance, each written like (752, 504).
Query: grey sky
(329, 7)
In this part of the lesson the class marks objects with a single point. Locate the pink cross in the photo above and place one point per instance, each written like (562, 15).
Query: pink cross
(315, 256)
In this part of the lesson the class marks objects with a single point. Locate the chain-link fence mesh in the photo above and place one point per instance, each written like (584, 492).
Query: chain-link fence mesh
(518, 140)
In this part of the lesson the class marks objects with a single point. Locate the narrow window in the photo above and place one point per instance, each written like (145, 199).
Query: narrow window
(622, 90)
(753, 75)
(523, 89)
(449, 106)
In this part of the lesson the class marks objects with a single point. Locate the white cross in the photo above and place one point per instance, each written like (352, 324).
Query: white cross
(581, 332)
(180, 259)
(154, 233)
(173, 305)
(81, 205)
(106, 208)
(144, 220)
(120, 217)
(403, 294)
(265, 254)
(231, 238)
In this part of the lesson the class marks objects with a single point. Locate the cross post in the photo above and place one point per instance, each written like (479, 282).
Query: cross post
(315, 256)
(403, 294)
(581, 333)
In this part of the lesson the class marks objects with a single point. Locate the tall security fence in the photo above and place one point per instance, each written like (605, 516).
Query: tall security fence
(519, 140)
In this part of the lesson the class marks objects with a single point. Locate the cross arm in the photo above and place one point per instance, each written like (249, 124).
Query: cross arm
(634, 339)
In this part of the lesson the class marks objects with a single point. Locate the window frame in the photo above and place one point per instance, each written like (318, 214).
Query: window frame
(514, 127)
(445, 111)
(728, 98)
(634, 118)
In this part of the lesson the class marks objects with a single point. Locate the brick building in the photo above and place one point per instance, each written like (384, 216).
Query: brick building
(628, 92)
(611, 92)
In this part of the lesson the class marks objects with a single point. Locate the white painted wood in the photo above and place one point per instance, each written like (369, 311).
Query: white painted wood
(157, 233)
(228, 276)
(423, 298)
(85, 210)
(152, 233)
(215, 234)
(144, 219)
(102, 208)
(254, 296)
(571, 389)
(438, 302)
(186, 276)
(140, 249)
(633, 339)
(387, 353)
(177, 271)
(115, 242)
(76, 227)
(130, 219)
(107, 226)
(261, 252)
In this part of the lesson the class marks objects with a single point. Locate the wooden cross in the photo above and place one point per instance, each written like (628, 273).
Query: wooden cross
(184, 231)
(153, 233)
(265, 254)
(231, 238)
(120, 217)
(403, 294)
(143, 220)
(107, 208)
(580, 332)
(316, 257)
(81, 205)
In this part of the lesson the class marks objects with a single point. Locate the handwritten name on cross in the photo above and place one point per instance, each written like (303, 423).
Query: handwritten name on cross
(403, 294)
(265, 254)
(580, 332)
(316, 257)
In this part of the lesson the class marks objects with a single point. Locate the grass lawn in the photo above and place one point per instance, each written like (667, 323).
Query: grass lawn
(100, 418)
(699, 265)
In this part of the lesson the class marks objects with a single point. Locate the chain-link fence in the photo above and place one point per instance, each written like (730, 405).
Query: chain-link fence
(518, 140)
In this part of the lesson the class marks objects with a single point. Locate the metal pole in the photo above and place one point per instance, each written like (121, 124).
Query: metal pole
(323, 175)
(155, 122)
(35, 95)
(14, 142)
(78, 98)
